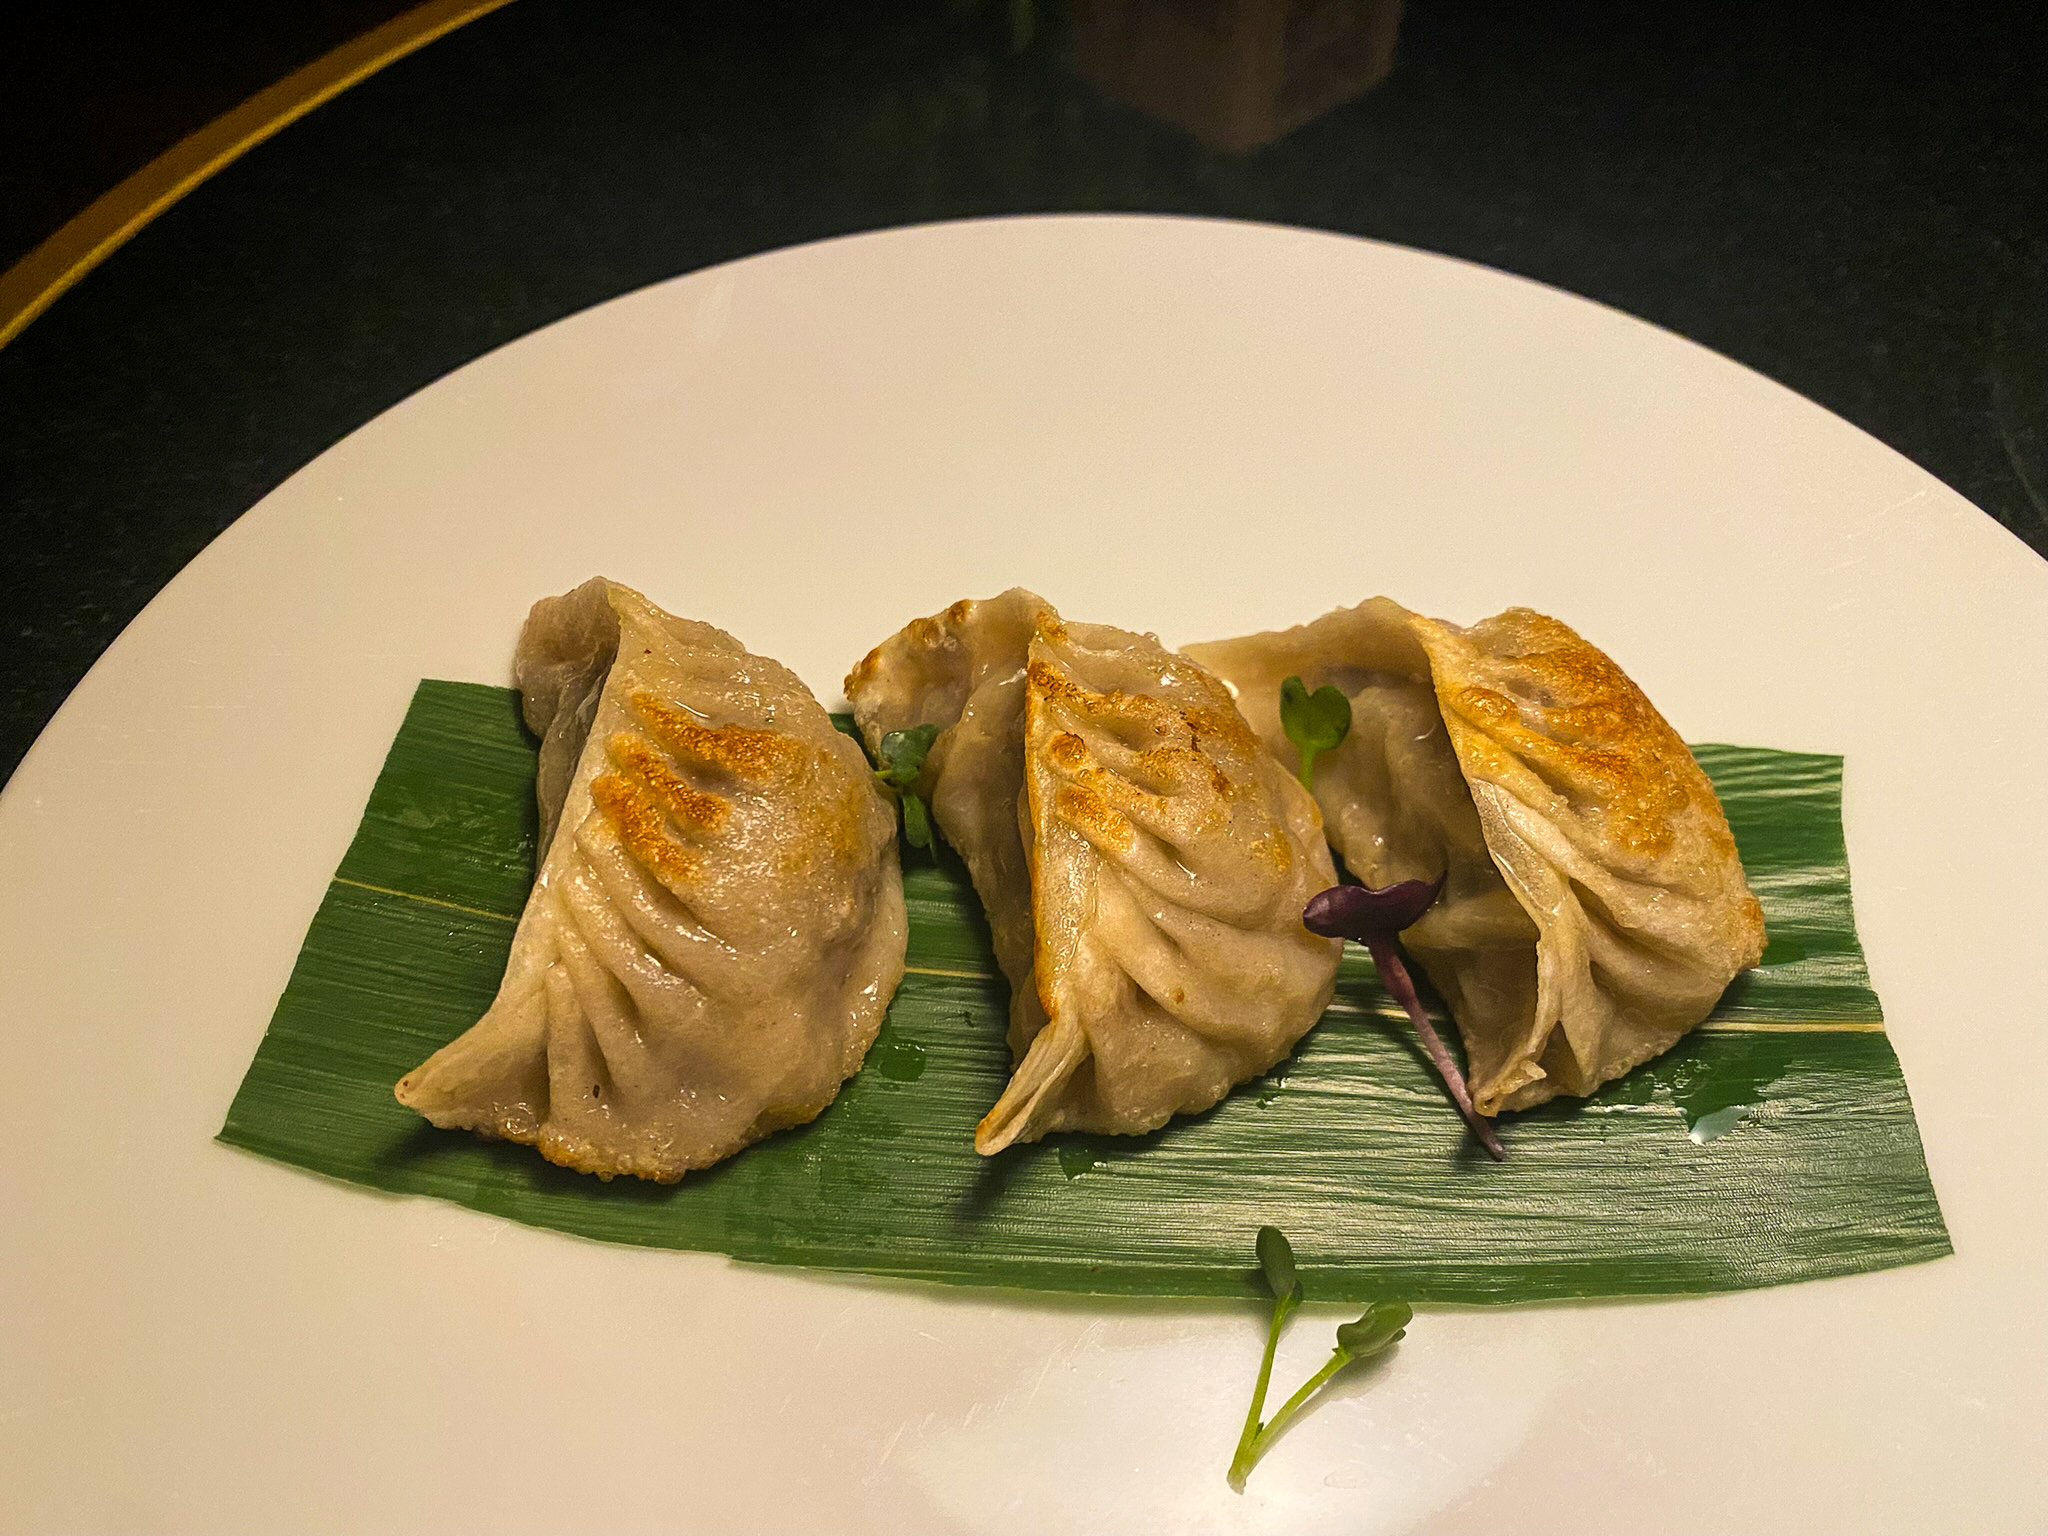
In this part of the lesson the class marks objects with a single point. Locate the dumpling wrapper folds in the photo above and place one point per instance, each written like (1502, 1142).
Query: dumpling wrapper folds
(717, 925)
(1595, 907)
(1143, 861)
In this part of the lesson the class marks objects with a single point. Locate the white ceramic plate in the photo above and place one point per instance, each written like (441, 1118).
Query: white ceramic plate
(1192, 427)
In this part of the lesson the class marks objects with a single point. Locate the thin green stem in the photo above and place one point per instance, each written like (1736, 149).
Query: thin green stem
(1339, 1358)
(1257, 1442)
(1247, 1452)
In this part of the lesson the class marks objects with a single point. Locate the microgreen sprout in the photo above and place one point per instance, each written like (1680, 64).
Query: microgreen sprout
(1372, 918)
(1376, 1330)
(1315, 722)
(1276, 1264)
(902, 755)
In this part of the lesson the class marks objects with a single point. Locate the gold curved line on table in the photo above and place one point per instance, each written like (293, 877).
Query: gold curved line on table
(1711, 1027)
(41, 277)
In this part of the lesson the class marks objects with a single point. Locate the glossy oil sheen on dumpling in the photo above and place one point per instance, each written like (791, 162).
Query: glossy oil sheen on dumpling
(1595, 908)
(717, 926)
(1143, 861)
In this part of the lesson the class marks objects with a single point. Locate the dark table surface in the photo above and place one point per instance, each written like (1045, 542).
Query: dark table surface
(1856, 206)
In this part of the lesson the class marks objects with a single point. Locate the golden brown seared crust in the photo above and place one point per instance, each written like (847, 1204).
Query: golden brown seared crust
(687, 806)
(689, 787)
(1100, 794)
(1753, 919)
(647, 794)
(1180, 766)
(1153, 815)
(863, 673)
(835, 825)
(638, 818)
(574, 1153)
(1275, 850)
(1053, 686)
(1179, 769)
(1590, 813)
(1115, 707)
(1069, 752)
(932, 634)
(1534, 707)
(1595, 738)
(568, 1151)
(1224, 725)
(648, 789)
(1178, 729)
(734, 749)
(1184, 758)
(1081, 806)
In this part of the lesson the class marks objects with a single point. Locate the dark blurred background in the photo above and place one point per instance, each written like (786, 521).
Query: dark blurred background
(92, 91)
(1853, 201)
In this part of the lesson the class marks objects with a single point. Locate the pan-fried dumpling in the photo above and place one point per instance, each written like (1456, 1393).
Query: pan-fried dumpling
(1143, 861)
(1594, 908)
(718, 922)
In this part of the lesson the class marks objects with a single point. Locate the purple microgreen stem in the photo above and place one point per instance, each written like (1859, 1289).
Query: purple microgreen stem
(1373, 918)
(1394, 974)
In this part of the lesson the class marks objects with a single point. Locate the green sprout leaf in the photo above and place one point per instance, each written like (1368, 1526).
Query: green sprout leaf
(1381, 1325)
(900, 760)
(1276, 1259)
(1377, 1329)
(917, 822)
(1276, 1263)
(1315, 722)
(902, 755)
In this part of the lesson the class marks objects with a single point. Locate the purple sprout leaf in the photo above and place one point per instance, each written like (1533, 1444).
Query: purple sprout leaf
(1372, 918)
(1360, 912)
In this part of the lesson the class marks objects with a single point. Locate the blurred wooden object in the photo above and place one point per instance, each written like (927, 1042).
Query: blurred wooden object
(1234, 73)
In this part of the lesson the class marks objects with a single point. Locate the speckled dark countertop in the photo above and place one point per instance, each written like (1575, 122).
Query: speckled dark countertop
(1857, 210)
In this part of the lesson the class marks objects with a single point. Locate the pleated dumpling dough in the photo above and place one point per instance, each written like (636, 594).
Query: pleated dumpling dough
(718, 922)
(1595, 908)
(1143, 861)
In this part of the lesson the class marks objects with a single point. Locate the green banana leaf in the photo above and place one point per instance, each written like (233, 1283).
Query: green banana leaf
(1776, 1143)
